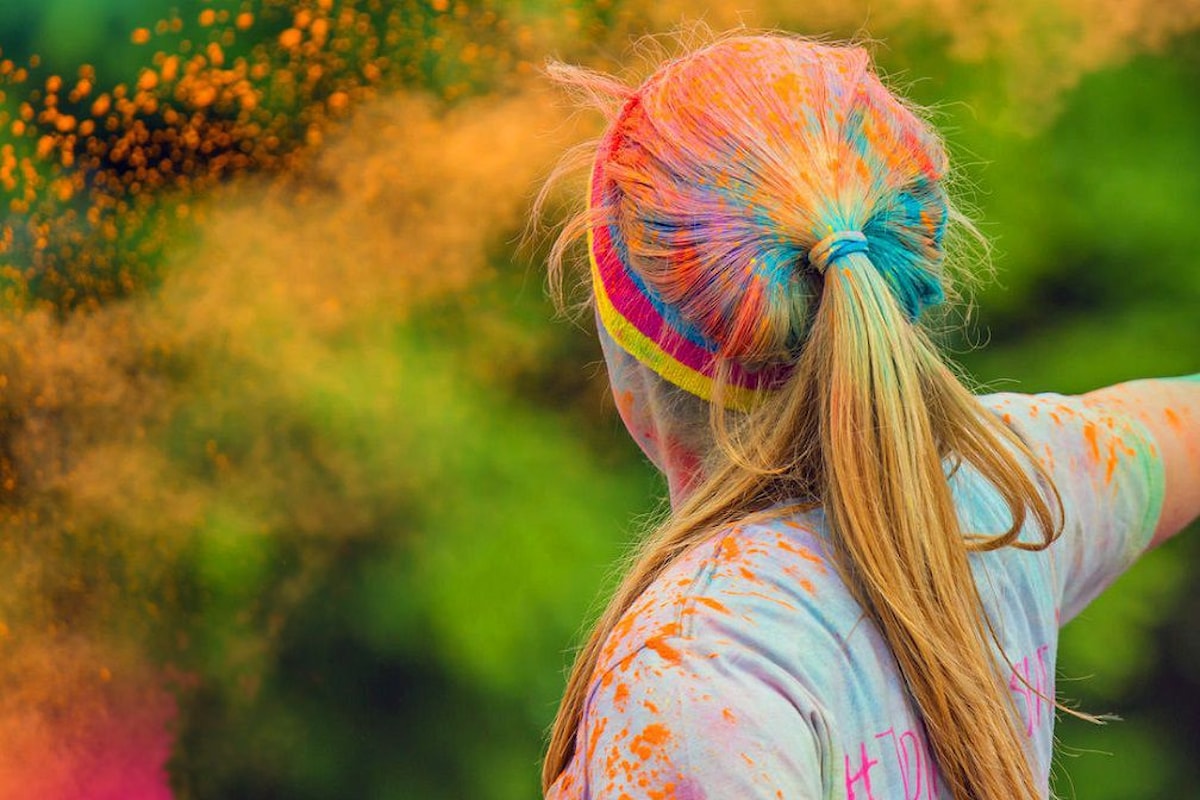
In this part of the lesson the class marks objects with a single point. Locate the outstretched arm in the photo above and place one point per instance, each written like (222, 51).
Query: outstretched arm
(1125, 461)
(1170, 409)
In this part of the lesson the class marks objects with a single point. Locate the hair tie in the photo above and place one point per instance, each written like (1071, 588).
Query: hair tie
(834, 246)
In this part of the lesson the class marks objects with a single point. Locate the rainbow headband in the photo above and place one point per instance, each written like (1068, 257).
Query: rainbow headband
(651, 330)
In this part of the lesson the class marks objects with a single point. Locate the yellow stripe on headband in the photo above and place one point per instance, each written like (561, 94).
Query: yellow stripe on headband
(650, 353)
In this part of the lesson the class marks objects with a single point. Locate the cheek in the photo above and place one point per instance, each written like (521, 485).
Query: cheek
(634, 415)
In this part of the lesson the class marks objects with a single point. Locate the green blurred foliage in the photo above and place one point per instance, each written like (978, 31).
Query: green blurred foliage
(374, 542)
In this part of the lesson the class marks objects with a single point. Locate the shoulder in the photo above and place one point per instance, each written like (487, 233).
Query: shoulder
(1088, 447)
(1107, 476)
(737, 592)
(1093, 433)
(699, 686)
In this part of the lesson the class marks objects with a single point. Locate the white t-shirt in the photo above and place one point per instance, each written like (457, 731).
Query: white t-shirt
(747, 670)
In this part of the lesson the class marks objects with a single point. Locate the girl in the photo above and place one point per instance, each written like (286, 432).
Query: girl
(859, 590)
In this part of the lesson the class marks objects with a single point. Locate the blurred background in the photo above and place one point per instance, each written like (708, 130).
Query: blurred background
(305, 493)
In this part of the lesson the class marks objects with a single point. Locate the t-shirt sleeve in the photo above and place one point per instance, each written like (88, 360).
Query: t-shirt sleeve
(1109, 475)
(666, 722)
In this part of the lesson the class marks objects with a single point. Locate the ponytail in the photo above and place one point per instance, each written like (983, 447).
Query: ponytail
(890, 414)
(866, 420)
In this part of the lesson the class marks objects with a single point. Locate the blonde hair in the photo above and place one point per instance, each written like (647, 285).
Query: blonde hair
(800, 139)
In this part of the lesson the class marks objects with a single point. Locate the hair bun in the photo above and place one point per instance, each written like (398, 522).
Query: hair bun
(719, 180)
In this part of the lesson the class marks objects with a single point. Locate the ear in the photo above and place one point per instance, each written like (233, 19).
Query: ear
(629, 380)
